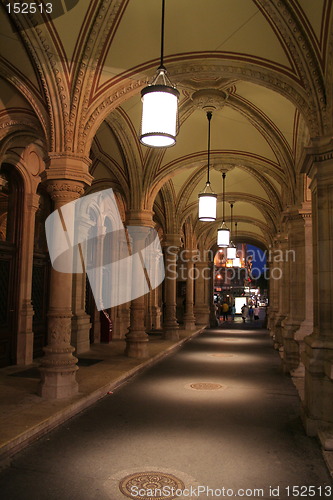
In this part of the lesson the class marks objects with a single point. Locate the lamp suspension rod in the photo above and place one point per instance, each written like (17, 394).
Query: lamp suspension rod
(223, 178)
(231, 208)
(209, 117)
(162, 37)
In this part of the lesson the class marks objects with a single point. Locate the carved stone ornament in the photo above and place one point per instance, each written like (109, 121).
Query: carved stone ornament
(209, 99)
(60, 330)
(224, 167)
(64, 190)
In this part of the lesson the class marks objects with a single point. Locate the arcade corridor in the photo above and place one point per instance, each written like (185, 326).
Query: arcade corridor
(241, 431)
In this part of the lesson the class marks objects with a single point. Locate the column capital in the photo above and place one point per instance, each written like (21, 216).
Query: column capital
(281, 239)
(66, 167)
(33, 201)
(172, 240)
(64, 191)
(140, 218)
(319, 154)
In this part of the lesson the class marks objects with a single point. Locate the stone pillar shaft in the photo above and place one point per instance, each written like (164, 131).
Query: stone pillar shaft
(202, 297)
(171, 248)
(318, 356)
(282, 287)
(189, 318)
(297, 293)
(137, 338)
(58, 367)
(25, 339)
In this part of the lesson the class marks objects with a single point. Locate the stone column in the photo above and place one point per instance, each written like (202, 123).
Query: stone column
(282, 283)
(171, 248)
(58, 367)
(273, 296)
(295, 259)
(202, 296)
(123, 321)
(154, 310)
(189, 318)
(210, 294)
(81, 321)
(25, 339)
(137, 338)
(305, 291)
(318, 356)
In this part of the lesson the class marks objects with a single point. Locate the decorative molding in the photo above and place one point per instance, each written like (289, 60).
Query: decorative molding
(64, 191)
(209, 99)
(304, 55)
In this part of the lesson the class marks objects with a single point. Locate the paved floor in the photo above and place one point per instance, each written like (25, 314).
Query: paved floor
(25, 416)
(241, 432)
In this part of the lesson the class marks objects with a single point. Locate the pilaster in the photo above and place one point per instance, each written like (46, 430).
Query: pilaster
(318, 355)
(298, 321)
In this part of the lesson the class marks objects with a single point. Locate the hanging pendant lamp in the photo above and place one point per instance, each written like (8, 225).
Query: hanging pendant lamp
(159, 106)
(207, 199)
(236, 262)
(231, 250)
(223, 233)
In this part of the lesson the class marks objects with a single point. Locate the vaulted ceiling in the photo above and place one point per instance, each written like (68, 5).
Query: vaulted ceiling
(264, 66)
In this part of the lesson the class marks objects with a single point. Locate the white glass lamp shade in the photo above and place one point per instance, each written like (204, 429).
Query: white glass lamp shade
(236, 262)
(159, 116)
(207, 206)
(223, 236)
(231, 251)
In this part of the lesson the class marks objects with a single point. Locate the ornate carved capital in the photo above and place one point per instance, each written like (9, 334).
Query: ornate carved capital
(64, 191)
(140, 218)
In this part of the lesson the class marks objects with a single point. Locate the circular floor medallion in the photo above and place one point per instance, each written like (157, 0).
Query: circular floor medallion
(151, 486)
(205, 386)
(222, 355)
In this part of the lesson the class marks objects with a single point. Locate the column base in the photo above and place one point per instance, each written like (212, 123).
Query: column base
(171, 325)
(298, 372)
(137, 348)
(318, 428)
(189, 322)
(310, 425)
(171, 334)
(202, 320)
(58, 383)
(318, 395)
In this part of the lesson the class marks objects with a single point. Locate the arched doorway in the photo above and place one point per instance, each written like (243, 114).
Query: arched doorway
(11, 201)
